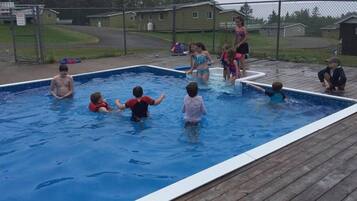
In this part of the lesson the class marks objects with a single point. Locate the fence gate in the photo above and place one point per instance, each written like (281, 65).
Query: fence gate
(25, 29)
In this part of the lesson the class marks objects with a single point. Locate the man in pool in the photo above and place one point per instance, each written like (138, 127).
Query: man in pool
(139, 104)
(62, 84)
(276, 95)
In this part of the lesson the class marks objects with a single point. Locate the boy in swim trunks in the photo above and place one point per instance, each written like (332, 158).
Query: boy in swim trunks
(139, 104)
(276, 94)
(62, 84)
(98, 104)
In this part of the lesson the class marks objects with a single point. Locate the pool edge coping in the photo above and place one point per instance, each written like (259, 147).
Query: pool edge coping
(212, 173)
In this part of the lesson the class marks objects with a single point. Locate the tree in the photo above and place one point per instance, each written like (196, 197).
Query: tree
(273, 17)
(246, 10)
(315, 12)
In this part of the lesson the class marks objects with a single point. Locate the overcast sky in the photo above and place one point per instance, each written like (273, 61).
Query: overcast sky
(326, 8)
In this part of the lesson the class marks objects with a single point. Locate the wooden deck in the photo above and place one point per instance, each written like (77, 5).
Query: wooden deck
(321, 166)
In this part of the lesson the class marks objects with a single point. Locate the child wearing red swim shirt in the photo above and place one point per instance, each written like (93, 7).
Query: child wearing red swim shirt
(98, 104)
(139, 105)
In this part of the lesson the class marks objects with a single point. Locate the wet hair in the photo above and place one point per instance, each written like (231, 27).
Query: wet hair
(240, 18)
(231, 55)
(192, 89)
(277, 86)
(95, 97)
(138, 91)
(201, 45)
(63, 67)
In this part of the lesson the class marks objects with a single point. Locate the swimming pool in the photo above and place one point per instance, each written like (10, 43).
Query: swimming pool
(60, 150)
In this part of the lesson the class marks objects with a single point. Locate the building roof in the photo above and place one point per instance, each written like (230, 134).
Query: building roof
(165, 9)
(283, 25)
(231, 10)
(109, 14)
(349, 18)
(331, 27)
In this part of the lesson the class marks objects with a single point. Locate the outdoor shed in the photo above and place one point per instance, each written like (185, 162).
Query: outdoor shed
(286, 29)
(331, 31)
(348, 35)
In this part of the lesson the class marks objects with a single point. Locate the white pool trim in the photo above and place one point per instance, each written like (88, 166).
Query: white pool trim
(203, 177)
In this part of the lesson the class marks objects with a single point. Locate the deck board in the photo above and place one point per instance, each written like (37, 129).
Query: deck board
(320, 166)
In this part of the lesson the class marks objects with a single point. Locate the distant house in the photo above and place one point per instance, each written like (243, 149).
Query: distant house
(331, 31)
(348, 35)
(113, 19)
(286, 29)
(189, 17)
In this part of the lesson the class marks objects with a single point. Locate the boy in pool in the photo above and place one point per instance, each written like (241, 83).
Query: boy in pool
(62, 84)
(193, 105)
(333, 76)
(98, 104)
(139, 104)
(276, 95)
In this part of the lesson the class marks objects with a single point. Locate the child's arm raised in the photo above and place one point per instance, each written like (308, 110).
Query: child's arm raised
(256, 87)
(159, 100)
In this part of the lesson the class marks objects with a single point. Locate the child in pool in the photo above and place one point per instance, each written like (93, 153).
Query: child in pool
(62, 84)
(233, 67)
(201, 59)
(224, 61)
(276, 94)
(98, 104)
(139, 104)
(193, 105)
(191, 53)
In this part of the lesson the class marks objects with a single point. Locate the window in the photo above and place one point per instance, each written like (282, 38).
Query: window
(161, 16)
(49, 15)
(195, 15)
(132, 18)
(150, 17)
(209, 15)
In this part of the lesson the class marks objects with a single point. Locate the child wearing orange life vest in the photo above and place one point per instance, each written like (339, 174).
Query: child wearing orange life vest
(98, 104)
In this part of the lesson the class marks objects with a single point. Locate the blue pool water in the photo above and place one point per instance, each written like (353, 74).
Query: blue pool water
(58, 150)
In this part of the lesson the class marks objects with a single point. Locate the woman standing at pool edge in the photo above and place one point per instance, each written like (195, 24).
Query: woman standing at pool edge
(241, 37)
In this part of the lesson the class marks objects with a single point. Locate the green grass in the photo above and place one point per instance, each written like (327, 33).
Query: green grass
(261, 47)
(51, 35)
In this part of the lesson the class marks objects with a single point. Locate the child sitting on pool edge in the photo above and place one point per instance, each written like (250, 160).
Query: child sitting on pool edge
(139, 104)
(276, 95)
(98, 104)
(193, 105)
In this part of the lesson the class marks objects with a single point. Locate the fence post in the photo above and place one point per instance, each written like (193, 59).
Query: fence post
(124, 30)
(174, 24)
(278, 33)
(214, 27)
(39, 36)
(13, 34)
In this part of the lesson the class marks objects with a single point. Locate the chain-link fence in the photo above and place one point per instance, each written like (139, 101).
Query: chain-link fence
(309, 31)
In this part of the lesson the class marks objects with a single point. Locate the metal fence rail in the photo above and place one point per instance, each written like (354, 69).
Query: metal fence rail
(300, 30)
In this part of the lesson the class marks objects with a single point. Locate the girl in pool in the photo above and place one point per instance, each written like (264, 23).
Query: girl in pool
(191, 53)
(200, 60)
(232, 63)
(241, 37)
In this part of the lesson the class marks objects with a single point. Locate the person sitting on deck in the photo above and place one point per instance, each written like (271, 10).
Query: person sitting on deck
(62, 84)
(333, 75)
(276, 95)
(98, 104)
(139, 104)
